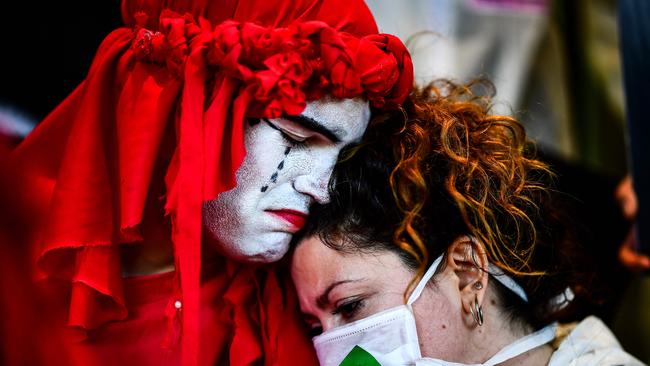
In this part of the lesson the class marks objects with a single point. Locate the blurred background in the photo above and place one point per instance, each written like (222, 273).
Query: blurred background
(556, 66)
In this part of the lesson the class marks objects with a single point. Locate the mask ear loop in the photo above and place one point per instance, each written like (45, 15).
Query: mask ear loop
(499, 275)
(424, 280)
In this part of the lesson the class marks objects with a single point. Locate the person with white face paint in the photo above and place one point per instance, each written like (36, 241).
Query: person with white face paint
(187, 158)
(288, 165)
(433, 252)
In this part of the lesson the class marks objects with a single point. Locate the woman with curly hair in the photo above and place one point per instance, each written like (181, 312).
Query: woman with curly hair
(440, 246)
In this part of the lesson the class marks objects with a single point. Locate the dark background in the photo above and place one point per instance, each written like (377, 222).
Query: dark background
(47, 48)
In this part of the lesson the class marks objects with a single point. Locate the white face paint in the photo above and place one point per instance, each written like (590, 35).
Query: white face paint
(287, 167)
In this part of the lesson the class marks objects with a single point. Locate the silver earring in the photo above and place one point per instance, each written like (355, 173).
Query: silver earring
(477, 312)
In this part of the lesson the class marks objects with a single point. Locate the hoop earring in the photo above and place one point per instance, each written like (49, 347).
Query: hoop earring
(477, 312)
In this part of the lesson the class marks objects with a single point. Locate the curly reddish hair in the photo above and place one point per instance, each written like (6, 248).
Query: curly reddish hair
(442, 167)
(490, 174)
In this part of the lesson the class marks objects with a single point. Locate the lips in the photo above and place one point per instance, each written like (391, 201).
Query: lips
(296, 219)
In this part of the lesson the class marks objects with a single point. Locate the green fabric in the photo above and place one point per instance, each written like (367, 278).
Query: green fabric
(359, 357)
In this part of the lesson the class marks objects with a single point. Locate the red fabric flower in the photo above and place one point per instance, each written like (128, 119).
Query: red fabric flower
(289, 65)
(315, 57)
(150, 46)
(397, 91)
(225, 50)
(292, 99)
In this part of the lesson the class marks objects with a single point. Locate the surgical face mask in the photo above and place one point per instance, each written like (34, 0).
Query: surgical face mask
(390, 337)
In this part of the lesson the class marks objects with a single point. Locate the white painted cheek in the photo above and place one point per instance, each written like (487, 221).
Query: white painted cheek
(235, 220)
(358, 129)
(281, 193)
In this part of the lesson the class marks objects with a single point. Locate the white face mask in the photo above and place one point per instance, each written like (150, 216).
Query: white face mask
(390, 337)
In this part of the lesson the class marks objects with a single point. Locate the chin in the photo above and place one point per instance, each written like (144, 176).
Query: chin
(260, 251)
(269, 256)
(264, 254)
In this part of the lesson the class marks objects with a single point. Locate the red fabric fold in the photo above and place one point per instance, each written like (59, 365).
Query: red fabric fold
(187, 215)
(266, 319)
(199, 69)
(143, 110)
(79, 190)
(221, 142)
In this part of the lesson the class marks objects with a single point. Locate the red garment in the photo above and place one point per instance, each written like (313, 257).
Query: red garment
(196, 68)
(148, 336)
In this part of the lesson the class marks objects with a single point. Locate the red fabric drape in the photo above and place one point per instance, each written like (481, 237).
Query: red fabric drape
(90, 163)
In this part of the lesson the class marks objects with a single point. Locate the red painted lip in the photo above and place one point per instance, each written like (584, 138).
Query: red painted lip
(296, 218)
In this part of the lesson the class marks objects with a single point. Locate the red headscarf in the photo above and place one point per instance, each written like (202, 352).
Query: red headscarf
(202, 66)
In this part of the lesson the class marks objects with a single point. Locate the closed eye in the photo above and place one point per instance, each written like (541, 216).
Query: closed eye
(349, 309)
(290, 137)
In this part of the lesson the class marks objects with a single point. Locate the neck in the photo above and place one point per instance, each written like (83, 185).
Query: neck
(498, 332)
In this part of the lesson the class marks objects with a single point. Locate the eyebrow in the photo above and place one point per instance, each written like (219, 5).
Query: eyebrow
(323, 299)
(314, 125)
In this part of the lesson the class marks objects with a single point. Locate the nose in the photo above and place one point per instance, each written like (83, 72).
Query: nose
(315, 185)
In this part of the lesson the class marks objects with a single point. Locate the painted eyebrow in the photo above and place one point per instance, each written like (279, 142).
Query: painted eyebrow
(323, 299)
(315, 126)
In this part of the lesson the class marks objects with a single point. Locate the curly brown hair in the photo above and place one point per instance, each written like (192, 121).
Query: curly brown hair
(442, 167)
(490, 173)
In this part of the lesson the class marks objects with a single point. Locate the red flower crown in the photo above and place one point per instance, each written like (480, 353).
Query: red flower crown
(282, 68)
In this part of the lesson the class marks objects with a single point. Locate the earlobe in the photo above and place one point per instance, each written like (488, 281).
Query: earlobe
(467, 258)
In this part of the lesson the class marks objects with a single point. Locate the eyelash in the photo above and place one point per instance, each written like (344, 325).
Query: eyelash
(350, 309)
(286, 136)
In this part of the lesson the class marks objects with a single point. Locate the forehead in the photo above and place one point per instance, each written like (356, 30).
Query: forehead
(309, 260)
(346, 118)
(318, 265)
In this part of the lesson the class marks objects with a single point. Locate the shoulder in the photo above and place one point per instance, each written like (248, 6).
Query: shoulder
(591, 343)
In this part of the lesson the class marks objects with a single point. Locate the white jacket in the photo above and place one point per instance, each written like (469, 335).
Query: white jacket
(591, 343)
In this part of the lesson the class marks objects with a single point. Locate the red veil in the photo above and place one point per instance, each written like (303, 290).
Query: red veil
(199, 68)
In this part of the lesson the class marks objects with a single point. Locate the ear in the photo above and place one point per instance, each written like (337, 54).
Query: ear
(467, 261)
